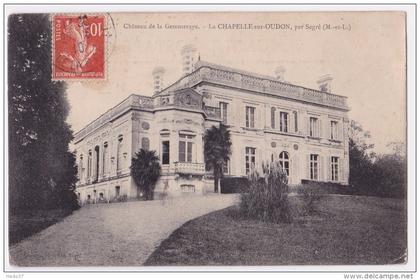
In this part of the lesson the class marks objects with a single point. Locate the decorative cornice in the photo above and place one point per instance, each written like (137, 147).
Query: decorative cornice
(221, 75)
(180, 94)
(131, 102)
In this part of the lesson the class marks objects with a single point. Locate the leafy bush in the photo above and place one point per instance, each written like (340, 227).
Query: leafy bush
(234, 184)
(267, 197)
(310, 194)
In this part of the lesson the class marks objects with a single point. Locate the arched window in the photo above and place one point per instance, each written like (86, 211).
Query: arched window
(81, 167)
(284, 161)
(89, 170)
(96, 167)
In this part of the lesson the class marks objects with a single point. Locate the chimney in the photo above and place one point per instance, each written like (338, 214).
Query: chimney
(157, 74)
(189, 58)
(280, 73)
(325, 83)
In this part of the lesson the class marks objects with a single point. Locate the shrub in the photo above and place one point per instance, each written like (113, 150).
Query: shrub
(145, 169)
(234, 184)
(267, 197)
(310, 194)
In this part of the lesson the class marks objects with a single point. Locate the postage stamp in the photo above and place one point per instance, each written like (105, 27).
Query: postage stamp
(78, 47)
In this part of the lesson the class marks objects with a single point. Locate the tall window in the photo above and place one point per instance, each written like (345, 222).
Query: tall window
(284, 121)
(313, 127)
(226, 167)
(273, 118)
(249, 158)
(89, 165)
(119, 152)
(314, 165)
(250, 116)
(224, 112)
(334, 130)
(165, 152)
(185, 147)
(295, 116)
(284, 161)
(104, 159)
(334, 168)
(81, 167)
(96, 174)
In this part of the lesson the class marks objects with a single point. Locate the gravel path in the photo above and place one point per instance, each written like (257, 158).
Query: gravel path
(120, 234)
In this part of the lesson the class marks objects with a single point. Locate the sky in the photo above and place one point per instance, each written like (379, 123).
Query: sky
(366, 61)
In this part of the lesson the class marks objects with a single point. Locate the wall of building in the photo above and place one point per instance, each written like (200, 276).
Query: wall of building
(268, 140)
(148, 127)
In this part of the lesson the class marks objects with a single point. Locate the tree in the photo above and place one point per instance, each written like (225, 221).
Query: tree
(145, 170)
(217, 151)
(375, 174)
(391, 175)
(361, 164)
(42, 173)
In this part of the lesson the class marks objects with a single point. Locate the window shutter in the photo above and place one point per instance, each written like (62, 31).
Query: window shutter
(340, 169)
(308, 124)
(340, 131)
(320, 130)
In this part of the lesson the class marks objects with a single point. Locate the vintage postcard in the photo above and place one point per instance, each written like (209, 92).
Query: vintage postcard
(184, 140)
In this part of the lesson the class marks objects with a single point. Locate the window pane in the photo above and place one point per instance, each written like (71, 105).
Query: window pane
(252, 117)
(314, 167)
(223, 111)
(189, 152)
(165, 152)
(182, 151)
(283, 121)
(247, 116)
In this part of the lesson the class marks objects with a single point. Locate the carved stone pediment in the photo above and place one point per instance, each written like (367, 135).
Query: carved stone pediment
(188, 98)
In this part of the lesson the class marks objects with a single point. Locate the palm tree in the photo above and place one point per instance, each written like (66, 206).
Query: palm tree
(217, 150)
(145, 170)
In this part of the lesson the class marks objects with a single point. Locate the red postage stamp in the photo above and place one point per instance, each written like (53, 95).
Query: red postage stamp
(78, 49)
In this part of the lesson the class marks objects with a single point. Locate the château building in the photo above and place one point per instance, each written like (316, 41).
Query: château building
(268, 118)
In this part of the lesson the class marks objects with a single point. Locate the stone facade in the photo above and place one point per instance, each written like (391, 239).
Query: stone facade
(268, 119)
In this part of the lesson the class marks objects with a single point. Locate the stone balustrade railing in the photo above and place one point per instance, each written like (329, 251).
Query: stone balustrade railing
(133, 101)
(189, 168)
(207, 72)
(184, 168)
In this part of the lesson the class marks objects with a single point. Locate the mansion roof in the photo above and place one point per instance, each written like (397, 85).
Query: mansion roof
(182, 96)
(206, 72)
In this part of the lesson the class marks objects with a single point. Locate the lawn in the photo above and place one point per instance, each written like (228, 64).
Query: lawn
(346, 230)
(28, 223)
